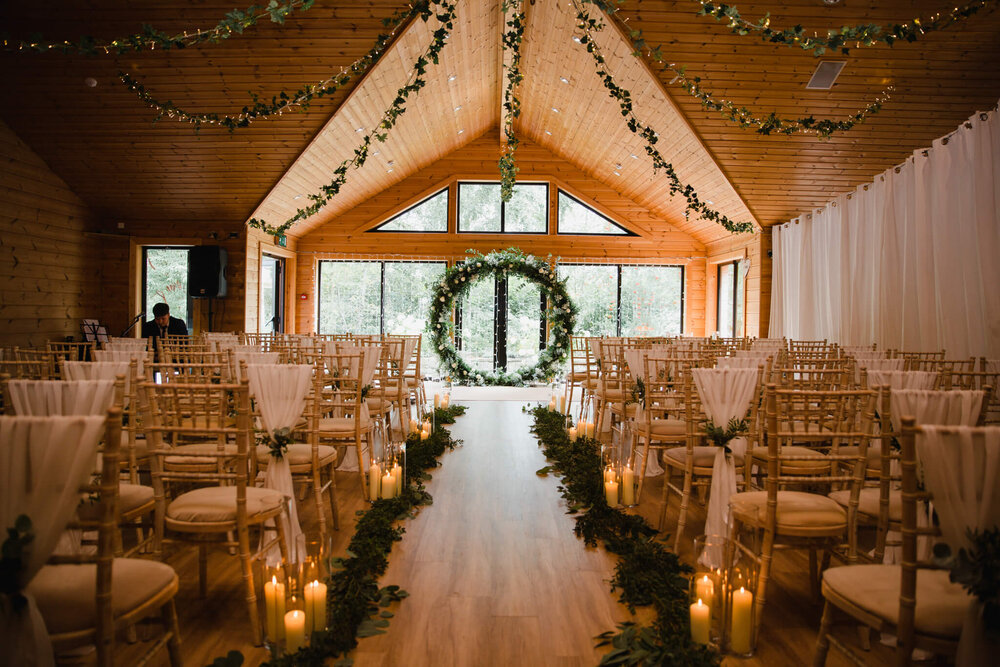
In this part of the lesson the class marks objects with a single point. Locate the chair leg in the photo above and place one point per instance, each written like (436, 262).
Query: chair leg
(766, 554)
(331, 491)
(202, 570)
(823, 640)
(813, 573)
(170, 625)
(642, 471)
(685, 501)
(247, 566)
(317, 484)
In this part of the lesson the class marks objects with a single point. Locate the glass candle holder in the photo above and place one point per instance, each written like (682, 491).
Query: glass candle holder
(741, 613)
(295, 624)
(275, 595)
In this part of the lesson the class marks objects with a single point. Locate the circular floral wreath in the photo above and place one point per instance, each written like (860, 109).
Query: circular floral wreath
(560, 312)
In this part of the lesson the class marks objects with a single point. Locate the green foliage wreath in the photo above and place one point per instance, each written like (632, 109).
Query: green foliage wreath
(559, 311)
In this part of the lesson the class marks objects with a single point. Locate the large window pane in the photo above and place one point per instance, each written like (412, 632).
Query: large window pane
(479, 207)
(742, 268)
(477, 325)
(527, 210)
(166, 275)
(577, 218)
(593, 288)
(651, 300)
(726, 299)
(350, 295)
(524, 315)
(408, 288)
(430, 215)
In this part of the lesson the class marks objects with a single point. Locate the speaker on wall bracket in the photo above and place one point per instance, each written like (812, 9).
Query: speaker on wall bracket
(207, 272)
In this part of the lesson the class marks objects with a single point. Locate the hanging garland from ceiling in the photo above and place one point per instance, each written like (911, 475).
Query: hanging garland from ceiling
(742, 116)
(233, 23)
(867, 34)
(445, 14)
(283, 101)
(694, 204)
(512, 38)
(559, 312)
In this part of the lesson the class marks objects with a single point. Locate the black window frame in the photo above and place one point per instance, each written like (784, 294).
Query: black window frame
(503, 208)
(381, 298)
(618, 288)
(279, 291)
(378, 228)
(190, 301)
(560, 192)
(718, 294)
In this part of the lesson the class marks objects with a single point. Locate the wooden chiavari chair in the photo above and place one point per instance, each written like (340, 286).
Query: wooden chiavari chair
(919, 361)
(344, 418)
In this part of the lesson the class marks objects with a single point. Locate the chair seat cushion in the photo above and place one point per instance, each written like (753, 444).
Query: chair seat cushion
(868, 502)
(331, 426)
(822, 465)
(796, 511)
(378, 405)
(873, 458)
(611, 395)
(704, 456)
(663, 427)
(130, 498)
(217, 504)
(300, 454)
(941, 605)
(66, 594)
(187, 455)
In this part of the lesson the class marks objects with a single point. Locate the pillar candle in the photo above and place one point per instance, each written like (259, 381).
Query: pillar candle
(315, 593)
(628, 486)
(609, 474)
(705, 589)
(413, 426)
(572, 434)
(424, 434)
(437, 401)
(701, 622)
(611, 492)
(562, 404)
(397, 473)
(388, 485)
(427, 426)
(552, 404)
(295, 630)
(445, 401)
(274, 608)
(374, 475)
(741, 626)
(590, 429)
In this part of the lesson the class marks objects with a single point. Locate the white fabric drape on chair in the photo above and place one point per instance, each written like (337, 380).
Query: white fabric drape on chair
(125, 355)
(280, 392)
(961, 468)
(725, 393)
(907, 261)
(949, 408)
(43, 398)
(43, 463)
(901, 379)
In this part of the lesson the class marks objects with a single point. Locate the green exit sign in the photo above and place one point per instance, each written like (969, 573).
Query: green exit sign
(281, 241)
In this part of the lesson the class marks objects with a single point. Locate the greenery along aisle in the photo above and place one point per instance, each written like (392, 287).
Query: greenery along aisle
(356, 606)
(646, 574)
(559, 311)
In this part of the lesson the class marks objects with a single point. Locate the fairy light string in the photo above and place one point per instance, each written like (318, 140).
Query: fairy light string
(693, 204)
(283, 101)
(233, 23)
(444, 12)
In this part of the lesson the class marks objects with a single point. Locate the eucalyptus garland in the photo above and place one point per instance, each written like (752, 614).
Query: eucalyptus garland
(560, 313)
(445, 14)
(867, 34)
(356, 605)
(694, 204)
(283, 101)
(646, 573)
(742, 116)
(512, 38)
(233, 23)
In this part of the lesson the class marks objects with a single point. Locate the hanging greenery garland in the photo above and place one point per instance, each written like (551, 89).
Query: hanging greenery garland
(742, 116)
(694, 204)
(512, 38)
(647, 574)
(445, 14)
(867, 34)
(559, 312)
(283, 101)
(233, 23)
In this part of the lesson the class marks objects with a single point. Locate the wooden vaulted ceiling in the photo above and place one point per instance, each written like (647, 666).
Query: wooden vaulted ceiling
(101, 142)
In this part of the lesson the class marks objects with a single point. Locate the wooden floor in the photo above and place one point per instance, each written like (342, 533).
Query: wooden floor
(494, 572)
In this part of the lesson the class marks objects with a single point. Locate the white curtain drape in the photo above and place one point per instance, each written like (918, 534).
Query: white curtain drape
(907, 261)
(66, 397)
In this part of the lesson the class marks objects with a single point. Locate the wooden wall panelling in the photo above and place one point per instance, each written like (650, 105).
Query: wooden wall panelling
(47, 260)
(345, 237)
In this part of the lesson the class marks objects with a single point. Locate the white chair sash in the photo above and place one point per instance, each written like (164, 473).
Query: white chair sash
(280, 392)
(43, 463)
(725, 393)
(876, 364)
(901, 379)
(741, 362)
(961, 467)
(123, 354)
(947, 408)
(126, 345)
(44, 398)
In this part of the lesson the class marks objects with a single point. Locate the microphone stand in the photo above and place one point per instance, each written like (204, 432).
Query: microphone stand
(135, 321)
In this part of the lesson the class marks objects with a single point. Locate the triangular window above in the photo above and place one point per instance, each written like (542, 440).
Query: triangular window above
(429, 215)
(575, 217)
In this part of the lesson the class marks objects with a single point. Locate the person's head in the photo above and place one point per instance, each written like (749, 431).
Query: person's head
(161, 314)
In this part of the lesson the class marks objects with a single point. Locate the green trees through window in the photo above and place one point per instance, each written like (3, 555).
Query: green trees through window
(480, 209)
(429, 215)
(575, 217)
(165, 279)
(626, 300)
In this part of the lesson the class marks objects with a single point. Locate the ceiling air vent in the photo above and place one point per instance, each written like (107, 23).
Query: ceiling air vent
(825, 75)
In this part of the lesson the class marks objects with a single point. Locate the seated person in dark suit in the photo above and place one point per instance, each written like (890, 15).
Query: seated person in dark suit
(163, 324)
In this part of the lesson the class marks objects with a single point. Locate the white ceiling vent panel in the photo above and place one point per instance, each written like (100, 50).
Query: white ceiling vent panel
(825, 75)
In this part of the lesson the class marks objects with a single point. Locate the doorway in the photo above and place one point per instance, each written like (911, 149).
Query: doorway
(272, 294)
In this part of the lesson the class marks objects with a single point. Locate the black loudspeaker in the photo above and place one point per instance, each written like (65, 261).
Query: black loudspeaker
(207, 271)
